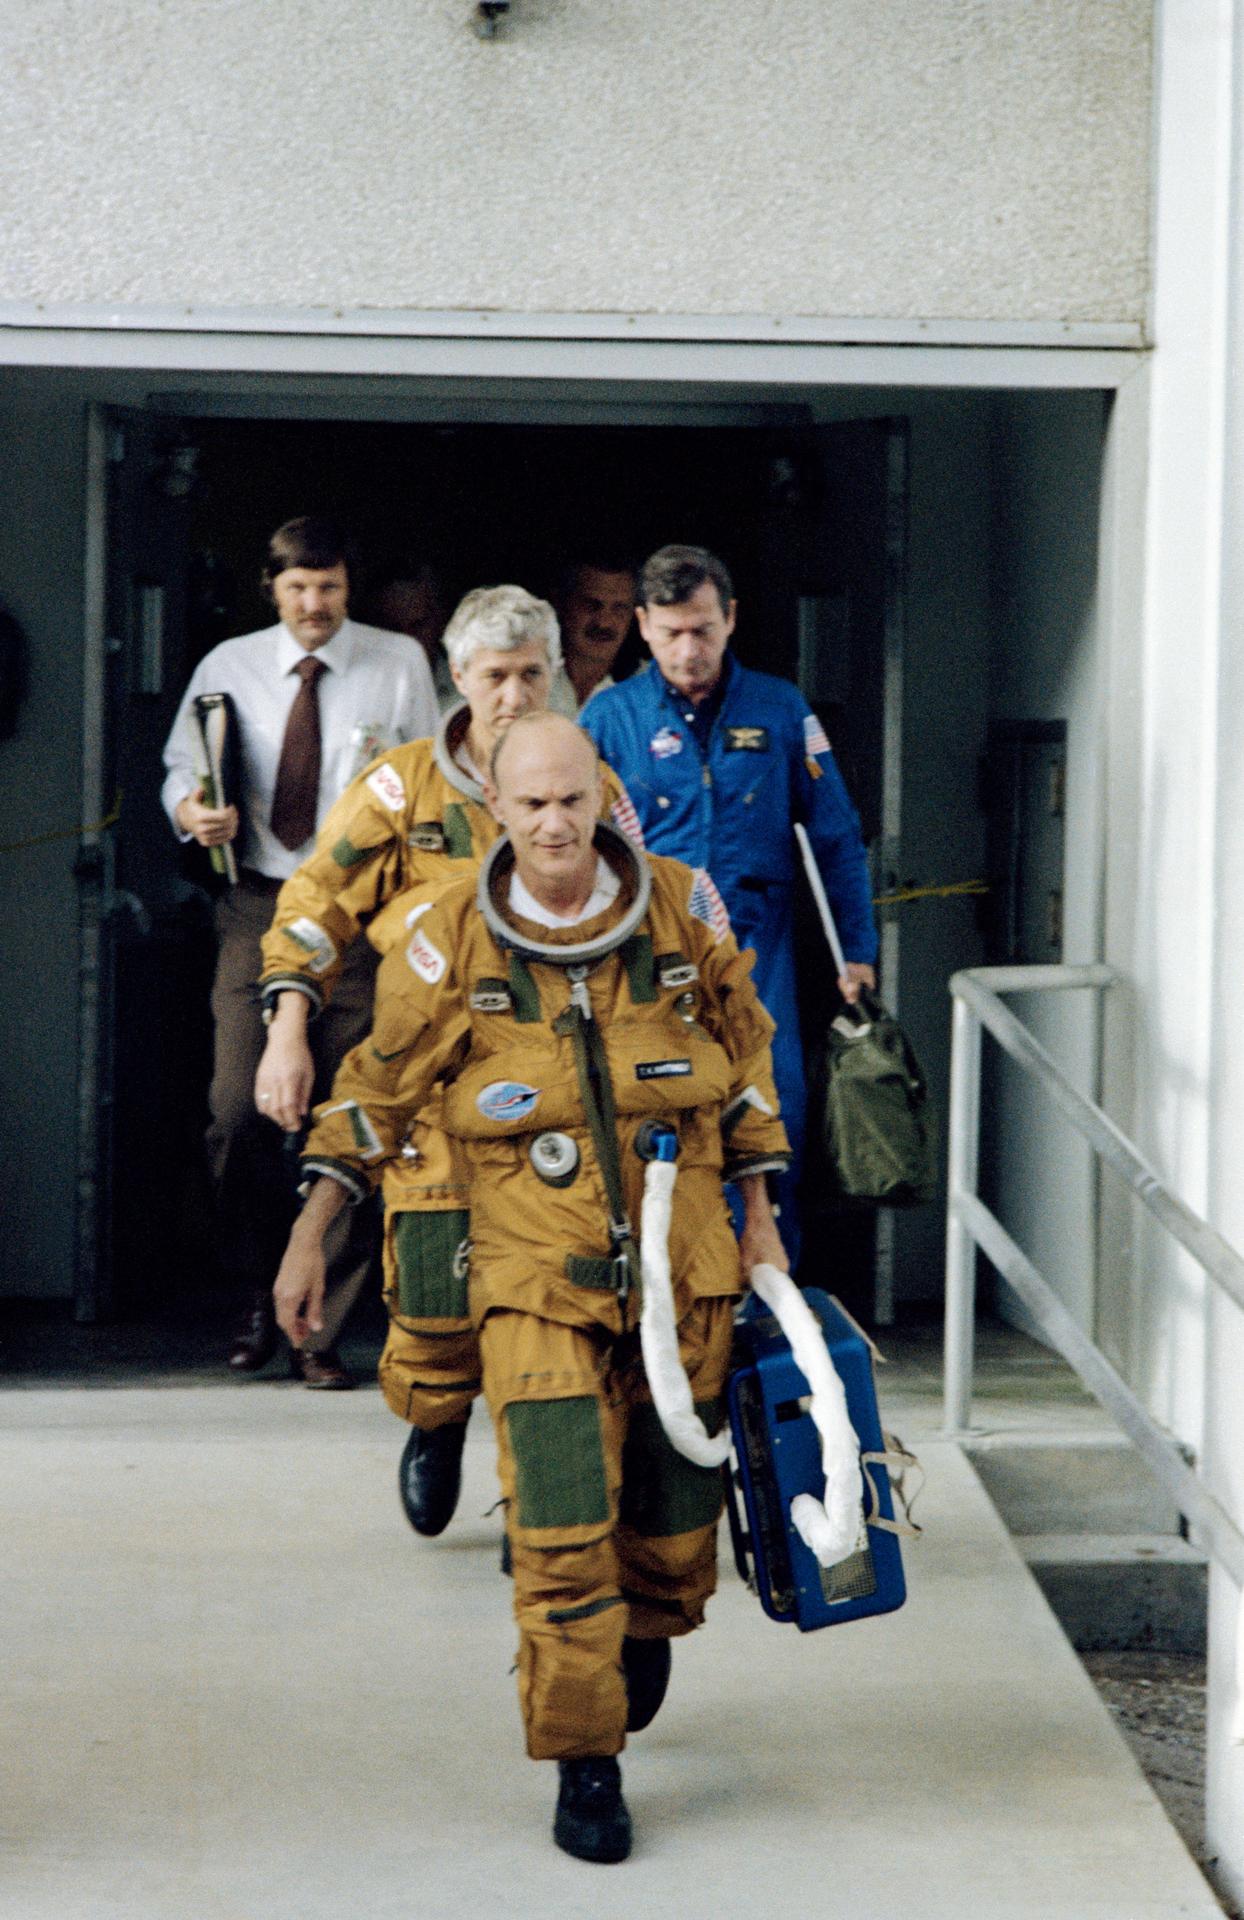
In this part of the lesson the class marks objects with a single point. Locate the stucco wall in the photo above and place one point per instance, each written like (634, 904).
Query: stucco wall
(979, 159)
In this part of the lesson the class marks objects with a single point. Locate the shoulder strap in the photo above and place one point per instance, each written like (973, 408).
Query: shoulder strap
(596, 1092)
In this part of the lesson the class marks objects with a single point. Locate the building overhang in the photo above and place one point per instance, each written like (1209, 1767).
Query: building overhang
(705, 349)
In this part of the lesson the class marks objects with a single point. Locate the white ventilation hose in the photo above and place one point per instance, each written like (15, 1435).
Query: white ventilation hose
(829, 1528)
(658, 1333)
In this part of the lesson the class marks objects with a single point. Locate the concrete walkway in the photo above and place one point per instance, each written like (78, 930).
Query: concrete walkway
(235, 1686)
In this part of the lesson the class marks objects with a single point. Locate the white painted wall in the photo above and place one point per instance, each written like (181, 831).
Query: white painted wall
(1175, 1058)
(1160, 904)
(916, 158)
(1223, 1441)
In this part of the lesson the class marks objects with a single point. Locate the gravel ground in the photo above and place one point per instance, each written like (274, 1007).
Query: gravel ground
(1158, 1700)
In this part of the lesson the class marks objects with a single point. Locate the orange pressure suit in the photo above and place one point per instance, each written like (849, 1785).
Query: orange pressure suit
(554, 1047)
(412, 818)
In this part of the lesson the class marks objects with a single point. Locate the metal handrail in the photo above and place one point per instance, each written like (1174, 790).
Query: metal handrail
(969, 1224)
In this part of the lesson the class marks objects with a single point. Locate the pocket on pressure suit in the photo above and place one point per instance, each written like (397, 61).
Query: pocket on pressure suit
(429, 1255)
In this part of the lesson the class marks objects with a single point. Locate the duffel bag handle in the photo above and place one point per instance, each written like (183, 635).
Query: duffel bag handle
(821, 897)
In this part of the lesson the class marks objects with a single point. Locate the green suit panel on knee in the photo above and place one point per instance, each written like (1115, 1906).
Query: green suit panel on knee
(664, 1494)
(559, 1462)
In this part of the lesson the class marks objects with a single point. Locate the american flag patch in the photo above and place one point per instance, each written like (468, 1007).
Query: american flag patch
(707, 905)
(814, 740)
(626, 820)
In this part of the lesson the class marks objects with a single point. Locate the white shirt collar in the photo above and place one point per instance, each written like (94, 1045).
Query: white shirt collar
(335, 653)
(607, 888)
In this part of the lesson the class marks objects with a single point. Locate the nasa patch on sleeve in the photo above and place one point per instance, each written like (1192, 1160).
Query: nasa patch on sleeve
(386, 784)
(425, 958)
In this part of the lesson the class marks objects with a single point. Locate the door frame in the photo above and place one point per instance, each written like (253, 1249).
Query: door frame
(592, 361)
(94, 869)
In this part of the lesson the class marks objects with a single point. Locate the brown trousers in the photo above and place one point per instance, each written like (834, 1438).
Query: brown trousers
(253, 1169)
(611, 1531)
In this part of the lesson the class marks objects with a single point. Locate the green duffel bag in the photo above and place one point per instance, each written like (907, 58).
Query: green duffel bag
(879, 1123)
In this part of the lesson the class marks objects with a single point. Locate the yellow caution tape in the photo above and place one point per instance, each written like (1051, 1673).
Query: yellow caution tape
(65, 833)
(956, 887)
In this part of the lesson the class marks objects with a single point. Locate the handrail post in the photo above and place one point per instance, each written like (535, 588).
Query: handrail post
(964, 1157)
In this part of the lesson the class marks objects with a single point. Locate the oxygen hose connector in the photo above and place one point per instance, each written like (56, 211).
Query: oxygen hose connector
(657, 1140)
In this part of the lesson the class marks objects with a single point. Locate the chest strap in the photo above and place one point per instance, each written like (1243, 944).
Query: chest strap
(636, 957)
(459, 842)
(596, 1092)
(524, 992)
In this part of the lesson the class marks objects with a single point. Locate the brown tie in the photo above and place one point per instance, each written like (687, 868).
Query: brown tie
(298, 772)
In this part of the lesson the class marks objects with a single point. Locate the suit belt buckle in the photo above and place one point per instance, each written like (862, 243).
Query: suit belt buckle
(623, 1239)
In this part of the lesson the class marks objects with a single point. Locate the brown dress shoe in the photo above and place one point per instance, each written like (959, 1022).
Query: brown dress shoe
(323, 1369)
(254, 1343)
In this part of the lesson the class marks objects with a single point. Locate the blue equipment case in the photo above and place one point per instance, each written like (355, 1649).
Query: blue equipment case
(778, 1450)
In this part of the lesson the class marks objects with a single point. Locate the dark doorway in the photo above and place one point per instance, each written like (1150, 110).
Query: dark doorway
(802, 514)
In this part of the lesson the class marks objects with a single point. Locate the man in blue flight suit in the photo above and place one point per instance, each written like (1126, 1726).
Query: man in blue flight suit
(720, 763)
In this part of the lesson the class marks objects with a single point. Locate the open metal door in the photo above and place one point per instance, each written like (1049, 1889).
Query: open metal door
(137, 582)
(837, 555)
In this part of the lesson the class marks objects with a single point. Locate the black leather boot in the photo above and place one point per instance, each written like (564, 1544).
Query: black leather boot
(429, 1477)
(592, 1822)
(646, 1664)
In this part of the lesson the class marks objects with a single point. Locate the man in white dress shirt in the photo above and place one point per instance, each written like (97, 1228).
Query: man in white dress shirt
(317, 696)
